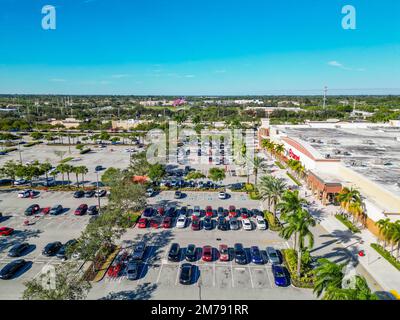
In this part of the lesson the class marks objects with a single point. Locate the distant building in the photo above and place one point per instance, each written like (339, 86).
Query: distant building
(69, 123)
(126, 124)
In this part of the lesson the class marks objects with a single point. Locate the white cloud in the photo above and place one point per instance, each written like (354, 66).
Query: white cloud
(189, 76)
(337, 64)
(58, 80)
(120, 76)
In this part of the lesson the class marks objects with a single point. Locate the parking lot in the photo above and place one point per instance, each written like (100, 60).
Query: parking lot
(46, 229)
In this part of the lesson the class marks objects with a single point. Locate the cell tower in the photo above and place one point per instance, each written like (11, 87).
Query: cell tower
(325, 94)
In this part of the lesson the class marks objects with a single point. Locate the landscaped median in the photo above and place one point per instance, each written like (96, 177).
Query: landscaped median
(273, 223)
(252, 191)
(101, 272)
(290, 261)
(280, 165)
(294, 179)
(386, 254)
(347, 223)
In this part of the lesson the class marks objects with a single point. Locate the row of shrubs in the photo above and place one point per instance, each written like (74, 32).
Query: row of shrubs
(252, 191)
(84, 151)
(9, 150)
(347, 223)
(280, 165)
(273, 223)
(31, 144)
(294, 179)
(386, 254)
(290, 261)
(66, 160)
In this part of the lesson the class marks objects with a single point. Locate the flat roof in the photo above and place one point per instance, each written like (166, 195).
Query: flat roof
(373, 152)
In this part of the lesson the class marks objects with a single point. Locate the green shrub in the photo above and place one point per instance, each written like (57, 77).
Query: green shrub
(280, 165)
(66, 160)
(273, 223)
(294, 179)
(31, 144)
(194, 175)
(290, 261)
(347, 223)
(249, 187)
(386, 254)
(9, 150)
(254, 195)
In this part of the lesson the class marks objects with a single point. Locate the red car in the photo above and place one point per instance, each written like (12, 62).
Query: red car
(208, 208)
(154, 223)
(45, 210)
(5, 231)
(142, 223)
(81, 210)
(195, 224)
(223, 252)
(207, 253)
(161, 211)
(167, 222)
(232, 208)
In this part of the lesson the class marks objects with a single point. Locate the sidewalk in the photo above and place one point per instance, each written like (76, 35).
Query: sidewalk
(378, 267)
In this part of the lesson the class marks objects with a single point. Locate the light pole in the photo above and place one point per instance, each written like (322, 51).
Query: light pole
(19, 151)
(97, 187)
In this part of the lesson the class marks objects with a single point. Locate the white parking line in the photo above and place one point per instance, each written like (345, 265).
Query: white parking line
(233, 281)
(159, 273)
(251, 278)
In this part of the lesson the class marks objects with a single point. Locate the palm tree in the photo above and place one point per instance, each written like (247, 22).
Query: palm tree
(45, 167)
(384, 230)
(396, 237)
(290, 203)
(272, 188)
(327, 275)
(279, 149)
(68, 169)
(258, 164)
(61, 168)
(83, 170)
(76, 171)
(350, 201)
(360, 292)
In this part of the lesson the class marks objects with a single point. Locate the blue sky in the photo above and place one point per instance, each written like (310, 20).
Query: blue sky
(207, 47)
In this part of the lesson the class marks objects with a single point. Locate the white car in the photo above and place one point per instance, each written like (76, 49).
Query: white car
(24, 194)
(261, 224)
(181, 222)
(20, 182)
(246, 223)
(222, 195)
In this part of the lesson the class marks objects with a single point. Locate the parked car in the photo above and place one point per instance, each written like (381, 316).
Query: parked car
(247, 225)
(224, 252)
(171, 212)
(234, 224)
(174, 253)
(45, 211)
(273, 255)
(207, 253)
(207, 223)
(89, 193)
(167, 222)
(181, 222)
(98, 168)
(148, 212)
(62, 253)
(56, 210)
(196, 225)
(18, 249)
(191, 253)
(32, 210)
(185, 275)
(196, 211)
(81, 210)
(100, 193)
(256, 256)
(261, 223)
(132, 270)
(178, 195)
(138, 251)
(52, 248)
(142, 223)
(240, 254)
(25, 194)
(222, 224)
(6, 231)
(149, 192)
(20, 182)
(12, 268)
(155, 222)
(79, 194)
(222, 195)
(280, 275)
(93, 210)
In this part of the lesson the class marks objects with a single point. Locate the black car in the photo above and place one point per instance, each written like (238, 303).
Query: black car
(207, 223)
(191, 253)
(92, 211)
(170, 212)
(56, 210)
(185, 276)
(18, 250)
(240, 254)
(79, 194)
(98, 168)
(222, 224)
(138, 251)
(174, 253)
(89, 194)
(52, 249)
(62, 253)
(148, 212)
(12, 268)
(31, 210)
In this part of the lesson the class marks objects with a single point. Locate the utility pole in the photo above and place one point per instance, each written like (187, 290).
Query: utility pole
(325, 94)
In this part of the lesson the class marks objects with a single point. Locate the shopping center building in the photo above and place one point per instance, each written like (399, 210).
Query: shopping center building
(363, 155)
